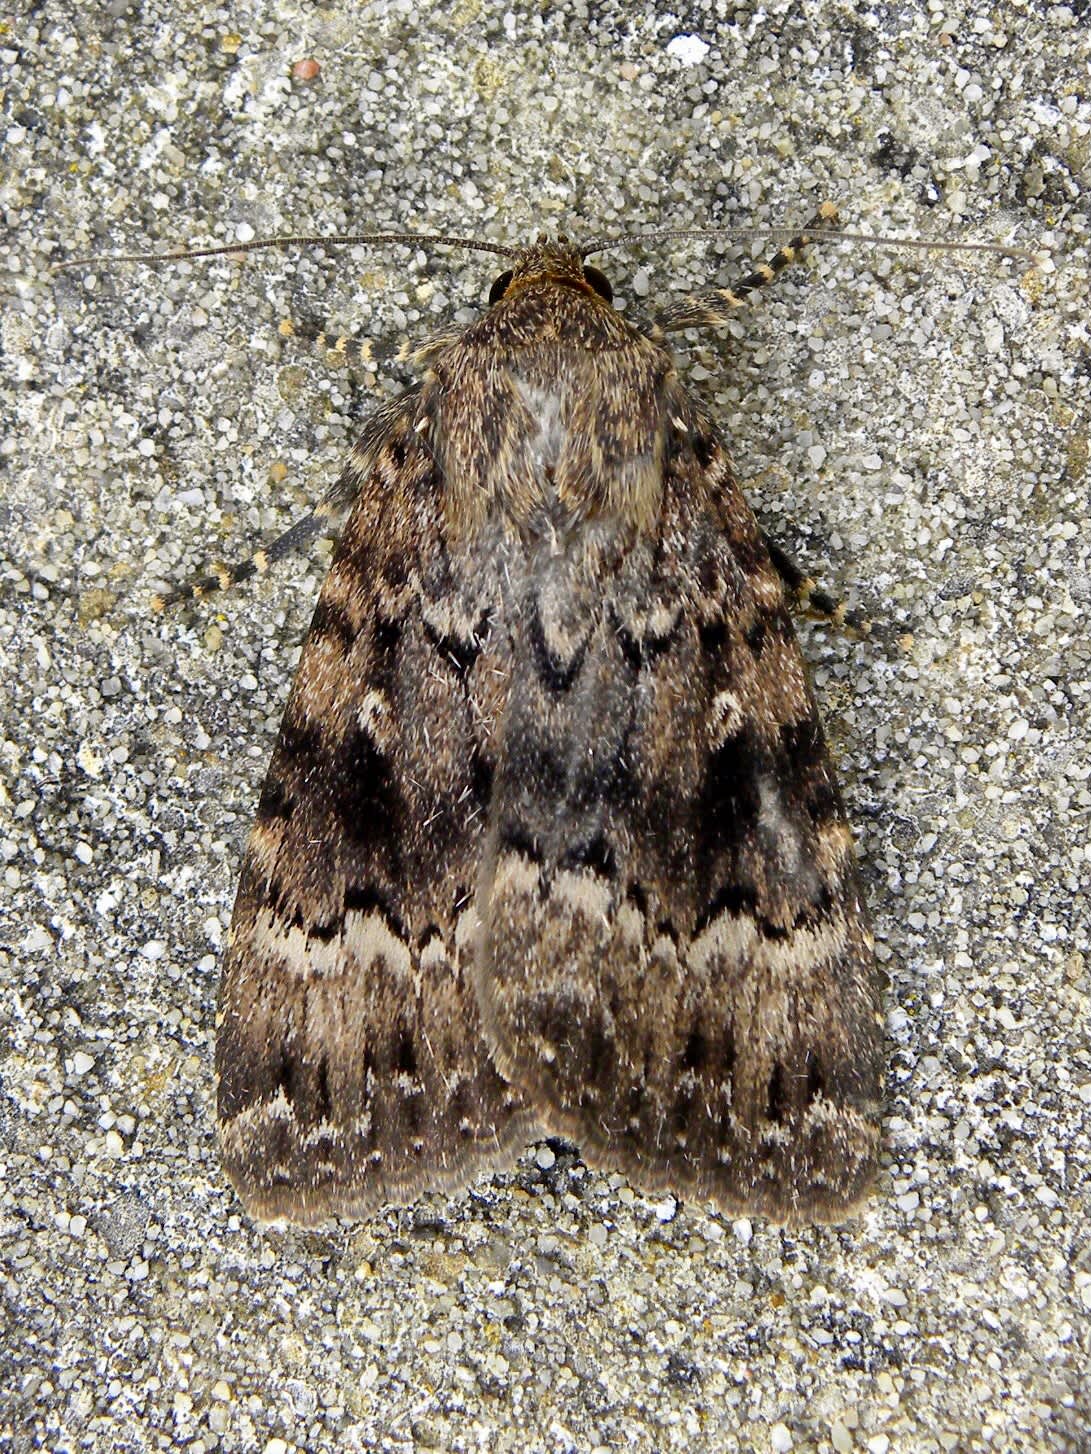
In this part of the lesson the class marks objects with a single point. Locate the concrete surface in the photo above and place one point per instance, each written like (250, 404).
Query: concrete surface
(913, 426)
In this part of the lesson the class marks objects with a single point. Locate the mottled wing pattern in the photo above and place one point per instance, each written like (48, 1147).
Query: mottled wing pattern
(350, 1061)
(550, 837)
(676, 964)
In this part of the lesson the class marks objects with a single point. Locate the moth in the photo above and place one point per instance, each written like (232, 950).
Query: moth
(551, 842)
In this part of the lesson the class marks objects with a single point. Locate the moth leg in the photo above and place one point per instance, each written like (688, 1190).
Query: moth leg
(326, 513)
(713, 306)
(807, 597)
(224, 577)
(337, 350)
(341, 350)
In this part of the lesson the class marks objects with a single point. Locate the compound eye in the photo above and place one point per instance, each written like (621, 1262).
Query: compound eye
(600, 282)
(500, 287)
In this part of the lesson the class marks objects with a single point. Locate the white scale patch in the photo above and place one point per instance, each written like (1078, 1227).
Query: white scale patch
(364, 941)
(434, 955)
(735, 939)
(725, 718)
(546, 408)
(781, 831)
(373, 716)
(297, 953)
(585, 894)
(367, 940)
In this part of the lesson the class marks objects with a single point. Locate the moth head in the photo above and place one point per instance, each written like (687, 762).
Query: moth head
(551, 262)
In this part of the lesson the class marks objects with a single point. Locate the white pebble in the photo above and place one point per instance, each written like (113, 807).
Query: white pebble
(689, 49)
(840, 1437)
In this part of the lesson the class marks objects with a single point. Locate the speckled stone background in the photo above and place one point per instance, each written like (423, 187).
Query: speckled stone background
(913, 426)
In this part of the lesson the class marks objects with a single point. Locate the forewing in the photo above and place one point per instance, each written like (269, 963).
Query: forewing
(676, 963)
(351, 1065)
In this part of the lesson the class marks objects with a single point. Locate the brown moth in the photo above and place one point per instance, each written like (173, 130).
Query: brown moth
(551, 842)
